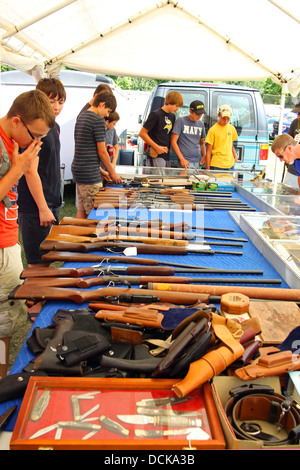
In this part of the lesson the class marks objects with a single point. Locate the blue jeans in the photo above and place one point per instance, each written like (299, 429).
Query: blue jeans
(222, 169)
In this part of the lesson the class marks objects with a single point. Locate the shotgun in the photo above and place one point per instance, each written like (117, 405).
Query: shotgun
(28, 273)
(95, 231)
(251, 292)
(82, 283)
(171, 206)
(112, 221)
(141, 248)
(156, 223)
(111, 294)
(120, 237)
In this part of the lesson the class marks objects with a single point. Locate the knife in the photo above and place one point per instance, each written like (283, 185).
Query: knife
(171, 421)
(163, 412)
(150, 433)
(153, 403)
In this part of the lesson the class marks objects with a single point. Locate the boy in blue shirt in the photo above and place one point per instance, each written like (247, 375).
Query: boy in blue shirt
(188, 137)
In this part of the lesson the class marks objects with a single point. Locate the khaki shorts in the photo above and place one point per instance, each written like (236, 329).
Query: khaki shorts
(10, 269)
(85, 195)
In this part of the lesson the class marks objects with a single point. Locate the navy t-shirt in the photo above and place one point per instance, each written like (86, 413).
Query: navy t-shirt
(49, 172)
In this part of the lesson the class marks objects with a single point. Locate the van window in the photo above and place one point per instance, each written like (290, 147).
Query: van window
(242, 109)
(189, 96)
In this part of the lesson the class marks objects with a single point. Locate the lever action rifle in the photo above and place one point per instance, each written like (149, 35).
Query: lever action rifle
(28, 273)
(141, 248)
(111, 294)
(85, 283)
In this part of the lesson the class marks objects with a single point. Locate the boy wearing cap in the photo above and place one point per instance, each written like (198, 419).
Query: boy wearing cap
(220, 152)
(188, 137)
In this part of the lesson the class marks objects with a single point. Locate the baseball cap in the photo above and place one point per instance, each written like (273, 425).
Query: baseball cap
(197, 107)
(296, 109)
(225, 110)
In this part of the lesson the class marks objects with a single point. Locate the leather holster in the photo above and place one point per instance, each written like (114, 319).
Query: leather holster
(271, 361)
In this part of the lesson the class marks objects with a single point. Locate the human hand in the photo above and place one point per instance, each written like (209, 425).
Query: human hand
(184, 163)
(22, 162)
(160, 150)
(46, 217)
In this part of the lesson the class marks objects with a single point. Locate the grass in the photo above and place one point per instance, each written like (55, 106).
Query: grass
(24, 325)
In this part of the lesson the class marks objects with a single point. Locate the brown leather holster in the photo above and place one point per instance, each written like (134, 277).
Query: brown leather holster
(225, 351)
(271, 361)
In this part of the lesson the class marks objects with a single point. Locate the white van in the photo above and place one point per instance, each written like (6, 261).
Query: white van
(80, 87)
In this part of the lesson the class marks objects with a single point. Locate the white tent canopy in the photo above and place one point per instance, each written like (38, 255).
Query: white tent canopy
(183, 40)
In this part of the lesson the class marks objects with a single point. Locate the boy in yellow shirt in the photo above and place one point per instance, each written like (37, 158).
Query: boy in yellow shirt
(220, 152)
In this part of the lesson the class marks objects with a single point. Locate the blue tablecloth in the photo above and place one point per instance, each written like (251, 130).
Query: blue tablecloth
(251, 259)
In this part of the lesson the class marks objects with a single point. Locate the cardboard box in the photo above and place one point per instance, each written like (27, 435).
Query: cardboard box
(221, 386)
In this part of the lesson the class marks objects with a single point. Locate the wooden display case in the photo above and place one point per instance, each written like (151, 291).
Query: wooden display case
(88, 413)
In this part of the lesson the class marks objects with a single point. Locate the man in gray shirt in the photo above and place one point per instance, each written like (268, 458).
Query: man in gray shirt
(188, 137)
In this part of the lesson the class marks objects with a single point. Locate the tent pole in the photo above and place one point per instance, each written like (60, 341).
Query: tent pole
(281, 110)
(15, 29)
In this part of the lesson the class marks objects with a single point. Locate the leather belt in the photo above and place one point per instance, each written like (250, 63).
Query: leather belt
(254, 409)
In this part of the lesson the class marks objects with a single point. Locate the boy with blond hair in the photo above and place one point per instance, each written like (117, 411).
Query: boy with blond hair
(157, 131)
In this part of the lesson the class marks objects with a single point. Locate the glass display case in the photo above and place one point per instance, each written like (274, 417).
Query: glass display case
(94, 413)
(141, 172)
(269, 197)
(278, 239)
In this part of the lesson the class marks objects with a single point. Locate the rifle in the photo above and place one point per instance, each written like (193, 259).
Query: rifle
(171, 206)
(131, 270)
(111, 294)
(95, 231)
(120, 237)
(156, 223)
(251, 292)
(141, 248)
(82, 283)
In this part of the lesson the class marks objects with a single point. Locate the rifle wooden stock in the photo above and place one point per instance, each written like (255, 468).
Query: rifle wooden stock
(108, 293)
(251, 292)
(95, 231)
(157, 224)
(114, 230)
(68, 256)
(81, 283)
(29, 273)
(116, 237)
(142, 248)
(134, 239)
(104, 280)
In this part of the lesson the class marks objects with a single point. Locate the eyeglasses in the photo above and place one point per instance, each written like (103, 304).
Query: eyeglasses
(281, 156)
(30, 133)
